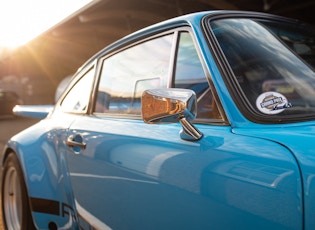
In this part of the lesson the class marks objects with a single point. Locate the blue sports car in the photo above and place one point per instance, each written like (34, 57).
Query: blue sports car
(205, 121)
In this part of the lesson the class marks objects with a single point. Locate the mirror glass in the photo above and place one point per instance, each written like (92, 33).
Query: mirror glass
(168, 105)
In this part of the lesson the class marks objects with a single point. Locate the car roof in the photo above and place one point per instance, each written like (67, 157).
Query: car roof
(188, 19)
(184, 20)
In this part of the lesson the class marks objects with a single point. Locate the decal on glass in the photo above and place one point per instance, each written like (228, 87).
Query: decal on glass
(272, 103)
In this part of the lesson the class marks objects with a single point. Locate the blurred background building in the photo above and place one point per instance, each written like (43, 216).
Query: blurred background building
(35, 69)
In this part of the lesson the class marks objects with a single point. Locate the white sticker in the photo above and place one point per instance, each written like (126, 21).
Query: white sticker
(272, 103)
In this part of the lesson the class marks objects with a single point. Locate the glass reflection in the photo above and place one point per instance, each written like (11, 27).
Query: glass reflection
(270, 57)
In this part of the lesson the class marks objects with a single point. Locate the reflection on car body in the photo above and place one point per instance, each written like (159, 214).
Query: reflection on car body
(178, 126)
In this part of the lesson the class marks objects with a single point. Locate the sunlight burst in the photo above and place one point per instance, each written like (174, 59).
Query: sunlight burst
(23, 20)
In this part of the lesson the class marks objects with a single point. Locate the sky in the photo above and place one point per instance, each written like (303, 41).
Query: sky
(23, 20)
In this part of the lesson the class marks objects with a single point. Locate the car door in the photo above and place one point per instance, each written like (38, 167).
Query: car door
(126, 174)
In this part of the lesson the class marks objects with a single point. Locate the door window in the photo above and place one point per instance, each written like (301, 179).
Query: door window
(189, 74)
(125, 75)
(77, 99)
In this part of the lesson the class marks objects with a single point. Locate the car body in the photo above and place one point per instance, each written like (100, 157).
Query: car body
(8, 99)
(205, 121)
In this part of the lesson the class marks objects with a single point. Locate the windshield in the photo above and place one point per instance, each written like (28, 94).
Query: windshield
(273, 63)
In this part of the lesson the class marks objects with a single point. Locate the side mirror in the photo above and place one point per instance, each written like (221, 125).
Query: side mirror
(170, 106)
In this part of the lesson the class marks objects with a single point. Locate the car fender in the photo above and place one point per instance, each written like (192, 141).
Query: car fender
(44, 168)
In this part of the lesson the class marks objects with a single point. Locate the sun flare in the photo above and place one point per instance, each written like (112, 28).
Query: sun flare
(23, 20)
(15, 17)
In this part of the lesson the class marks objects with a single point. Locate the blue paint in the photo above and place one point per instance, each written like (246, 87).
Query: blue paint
(241, 174)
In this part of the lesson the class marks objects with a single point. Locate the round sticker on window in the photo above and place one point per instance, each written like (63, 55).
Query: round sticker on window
(272, 103)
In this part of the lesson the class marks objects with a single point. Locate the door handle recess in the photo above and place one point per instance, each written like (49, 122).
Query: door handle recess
(74, 142)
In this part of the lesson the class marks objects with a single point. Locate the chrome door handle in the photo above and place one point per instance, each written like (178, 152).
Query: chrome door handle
(71, 142)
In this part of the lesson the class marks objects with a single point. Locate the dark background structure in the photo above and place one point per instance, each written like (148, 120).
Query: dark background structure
(36, 69)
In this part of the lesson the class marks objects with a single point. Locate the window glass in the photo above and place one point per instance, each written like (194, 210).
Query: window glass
(127, 74)
(273, 63)
(77, 99)
(189, 74)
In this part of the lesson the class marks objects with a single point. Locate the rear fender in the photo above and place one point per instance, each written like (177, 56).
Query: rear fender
(47, 182)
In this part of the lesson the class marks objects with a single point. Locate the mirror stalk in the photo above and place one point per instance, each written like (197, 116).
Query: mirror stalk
(189, 132)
